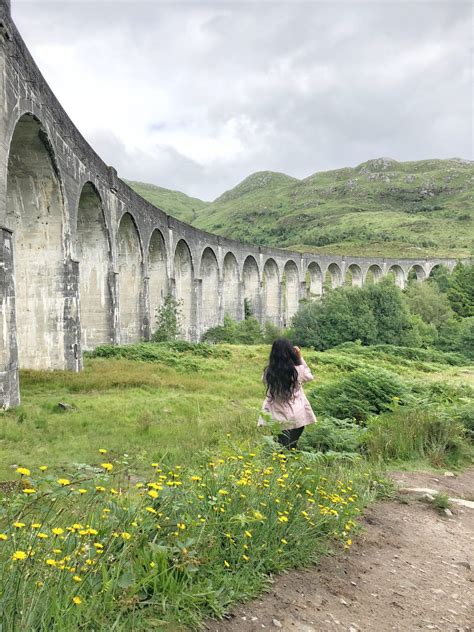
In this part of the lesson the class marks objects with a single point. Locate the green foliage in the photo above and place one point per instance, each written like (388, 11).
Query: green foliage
(427, 301)
(362, 393)
(372, 314)
(380, 207)
(245, 332)
(457, 335)
(181, 547)
(441, 501)
(394, 353)
(416, 433)
(333, 435)
(461, 290)
(168, 320)
(248, 308)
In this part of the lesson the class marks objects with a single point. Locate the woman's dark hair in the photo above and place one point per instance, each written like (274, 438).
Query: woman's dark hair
(281, 376)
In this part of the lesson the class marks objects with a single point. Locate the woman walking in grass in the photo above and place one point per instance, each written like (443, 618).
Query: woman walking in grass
(285, 401)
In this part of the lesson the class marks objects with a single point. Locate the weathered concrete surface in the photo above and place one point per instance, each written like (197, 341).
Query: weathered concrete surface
(85, 260)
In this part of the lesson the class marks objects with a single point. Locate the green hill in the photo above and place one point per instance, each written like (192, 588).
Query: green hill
(381, 207)
(174, 203)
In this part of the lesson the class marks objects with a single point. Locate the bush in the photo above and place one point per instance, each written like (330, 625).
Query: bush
(333, 435)
(409, 434)
(168, 320)
(457, 335)
(408, 353)
(363, 393)
(372, 314)
(245, 332)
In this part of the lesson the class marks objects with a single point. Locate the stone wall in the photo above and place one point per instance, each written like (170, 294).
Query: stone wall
(86, 261)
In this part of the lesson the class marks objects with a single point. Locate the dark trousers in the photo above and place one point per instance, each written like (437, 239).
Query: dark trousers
(289, 438)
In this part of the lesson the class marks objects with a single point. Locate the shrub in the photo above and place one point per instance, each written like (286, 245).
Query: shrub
(168, 319)
(246, 332)
(416, 433)
(334, 435)
(362, 393)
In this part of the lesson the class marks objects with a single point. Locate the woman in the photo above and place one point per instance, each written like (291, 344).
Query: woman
(285, 400)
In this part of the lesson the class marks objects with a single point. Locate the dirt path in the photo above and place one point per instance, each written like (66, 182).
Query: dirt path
(411, 569)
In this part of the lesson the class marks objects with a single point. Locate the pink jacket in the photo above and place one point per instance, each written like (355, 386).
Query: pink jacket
(297, 411)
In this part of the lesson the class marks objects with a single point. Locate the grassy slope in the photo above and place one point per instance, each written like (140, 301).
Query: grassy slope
(174, 203)
(381, 207)
(148, 409)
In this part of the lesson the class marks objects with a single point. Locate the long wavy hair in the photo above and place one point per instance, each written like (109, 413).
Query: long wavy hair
(281, 376)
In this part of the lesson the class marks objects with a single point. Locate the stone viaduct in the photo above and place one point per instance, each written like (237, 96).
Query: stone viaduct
(85, 261)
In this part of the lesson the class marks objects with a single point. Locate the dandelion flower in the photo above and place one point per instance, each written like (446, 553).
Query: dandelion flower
(43, 468)
(82, 491)
(3, 537)
(102, 451)
(57, 531)
(181, 526)
(248, 534)
(283, 519)
(63, 481)
(99, 488)
(108, 467)
(125, 535)
(28, 490)
(153, 493)
(77, 600)
(42, 536)
(19, 525)
(36, 525)
(24, 471)
(51, 562)
(226, 564)
(19, 555)
(76, 578)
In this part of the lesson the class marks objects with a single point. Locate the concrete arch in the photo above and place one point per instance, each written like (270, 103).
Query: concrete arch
(416, 273)
(230, 290)
(35, 212)
(373, 274)
(354, 276)
(158, 283)
(94, 254)
(130, 280)
(399, 275)
(271, 292)
(184, 288)
(291, 292)
(333, 277)
(314, 281)
(251, 282)
(209, 290)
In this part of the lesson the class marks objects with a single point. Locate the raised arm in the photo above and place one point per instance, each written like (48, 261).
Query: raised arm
(304, 372)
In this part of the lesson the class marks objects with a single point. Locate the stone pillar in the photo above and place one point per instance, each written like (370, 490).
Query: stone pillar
(9, 384)
(72, 325)
(147, 317)
(114, 305)
(195, 326)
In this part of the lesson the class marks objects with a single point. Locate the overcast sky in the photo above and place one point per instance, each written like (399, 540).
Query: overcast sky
(197, 95)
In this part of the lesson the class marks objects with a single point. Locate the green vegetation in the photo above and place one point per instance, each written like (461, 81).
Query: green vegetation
(422, 316)
(174, 203)
(168, 320)
(192, 506)
(381, 207)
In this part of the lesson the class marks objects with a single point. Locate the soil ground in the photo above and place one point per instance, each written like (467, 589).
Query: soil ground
(411, 568)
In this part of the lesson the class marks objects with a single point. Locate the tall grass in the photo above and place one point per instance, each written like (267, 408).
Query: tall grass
(86, 551)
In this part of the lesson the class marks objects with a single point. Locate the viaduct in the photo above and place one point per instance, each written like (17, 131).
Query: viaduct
(85, 261)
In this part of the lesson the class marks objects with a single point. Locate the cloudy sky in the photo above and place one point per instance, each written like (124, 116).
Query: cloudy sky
(197, 95)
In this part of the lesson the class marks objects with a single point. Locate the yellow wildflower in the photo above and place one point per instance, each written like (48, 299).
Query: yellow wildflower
(102, 451)
(245, 557)
(283, 519)
(57, 531)
(76, 578)
(43, 536)
(43, 468)
(153, 493)
(181, 526)
(82, 491)
(63, 481)
(77, 600)
(247, 534)
(151, 510)
(51, 562)
(19, 525)
(19, 555)
(125, 535)
(3, 537)
(108, 467)
(99, 488)
(24, 471)
(226, 564)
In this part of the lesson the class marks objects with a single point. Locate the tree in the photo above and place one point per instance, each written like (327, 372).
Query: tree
(461, 291)
(168, 320)
(426, 300)
(391, 314)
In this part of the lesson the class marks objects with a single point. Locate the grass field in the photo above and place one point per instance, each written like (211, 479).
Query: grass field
(153, 501)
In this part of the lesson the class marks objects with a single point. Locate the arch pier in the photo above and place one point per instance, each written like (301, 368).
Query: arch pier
(85, 261)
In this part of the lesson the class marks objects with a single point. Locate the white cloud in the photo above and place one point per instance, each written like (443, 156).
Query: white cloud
(197, 95)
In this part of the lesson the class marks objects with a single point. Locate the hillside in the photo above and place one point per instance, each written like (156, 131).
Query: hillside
(174, 203)
(381, 207)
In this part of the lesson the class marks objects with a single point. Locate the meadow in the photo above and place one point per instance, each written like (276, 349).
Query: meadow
(140, 494)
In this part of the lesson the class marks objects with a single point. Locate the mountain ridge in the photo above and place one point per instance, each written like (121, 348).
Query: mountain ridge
(379, 207)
